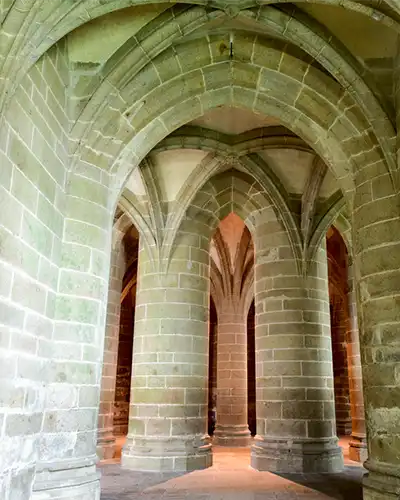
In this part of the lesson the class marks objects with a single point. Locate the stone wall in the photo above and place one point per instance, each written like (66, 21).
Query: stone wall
(38, 360)
(55, 262)
(60, 180)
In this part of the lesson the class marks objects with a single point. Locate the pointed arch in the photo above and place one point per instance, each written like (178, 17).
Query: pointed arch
(230, 191)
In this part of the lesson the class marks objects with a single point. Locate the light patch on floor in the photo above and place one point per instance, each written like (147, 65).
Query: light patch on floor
(232, 478)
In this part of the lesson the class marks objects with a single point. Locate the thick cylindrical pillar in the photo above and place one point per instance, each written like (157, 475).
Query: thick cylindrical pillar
(168, 406)
(376, 229)
(232, 417)
(295, 399)
(358, 444)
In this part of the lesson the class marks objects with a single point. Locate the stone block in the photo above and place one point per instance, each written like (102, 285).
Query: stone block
(69, 420)
(159, 396)
(25, 191)
(286, 428)
(24, 343)
(300, 410)
(36, 234)
(21, 483)
(29, 293)
(71, 372)
(23, 424)
(81, 310)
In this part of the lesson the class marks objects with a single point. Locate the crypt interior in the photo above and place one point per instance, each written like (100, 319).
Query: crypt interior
(199, 250)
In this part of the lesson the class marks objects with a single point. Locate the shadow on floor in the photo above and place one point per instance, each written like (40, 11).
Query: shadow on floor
(230, 478)
(346, 485)
(120, 484)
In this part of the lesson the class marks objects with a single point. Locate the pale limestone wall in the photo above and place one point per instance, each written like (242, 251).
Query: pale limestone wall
(37, 360)
(55, 244)
(87, 224)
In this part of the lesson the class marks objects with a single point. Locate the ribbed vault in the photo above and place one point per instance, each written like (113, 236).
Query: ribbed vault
(108, 119)
(121, 104)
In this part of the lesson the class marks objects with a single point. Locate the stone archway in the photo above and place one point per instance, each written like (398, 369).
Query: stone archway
(73, 131)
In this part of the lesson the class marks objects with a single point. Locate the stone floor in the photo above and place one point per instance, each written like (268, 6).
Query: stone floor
(231, 478)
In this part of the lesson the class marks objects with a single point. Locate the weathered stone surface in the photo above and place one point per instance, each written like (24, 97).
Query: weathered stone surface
(79, 117)
(162, 441)
(309, 443)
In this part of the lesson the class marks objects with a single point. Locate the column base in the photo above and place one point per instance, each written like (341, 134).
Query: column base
(290, 456)
(232, 436)
(358, 451)
(380, 483)
(105, 445)
(73, 479)
(167, 454)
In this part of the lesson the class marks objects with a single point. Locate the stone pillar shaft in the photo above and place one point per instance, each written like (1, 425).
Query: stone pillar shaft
(232, 418)
(295, 399)
(105, 434)
(376, 229)
(358, 444)
(341, 374)
(124, 367)
(168, 408)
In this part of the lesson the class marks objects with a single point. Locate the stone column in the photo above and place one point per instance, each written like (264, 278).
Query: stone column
(251, 370)
(212, 367)
(376, 229)
(124, 366)
(67, 449)
(105, 435)
(232, 419)
(358, 444)
(168, 411)
(341, 375)
(295, 399)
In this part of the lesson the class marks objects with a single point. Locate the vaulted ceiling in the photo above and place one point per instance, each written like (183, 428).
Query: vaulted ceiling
(122, 52)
